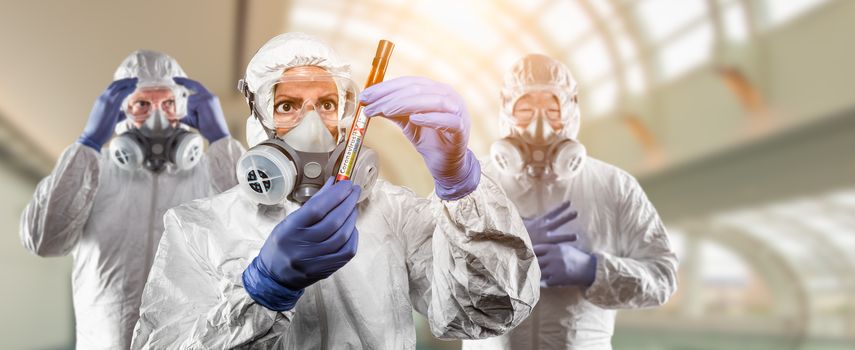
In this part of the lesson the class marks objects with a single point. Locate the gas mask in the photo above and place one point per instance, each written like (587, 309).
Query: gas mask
(155, 144)
(296, 165)
(562, 159)
(538, 152)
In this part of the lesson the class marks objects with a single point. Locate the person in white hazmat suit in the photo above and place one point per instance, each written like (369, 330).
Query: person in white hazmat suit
(105, 208)
(273, 263)
(599, 242)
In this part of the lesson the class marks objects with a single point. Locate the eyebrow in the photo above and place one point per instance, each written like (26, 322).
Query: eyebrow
(286, 96)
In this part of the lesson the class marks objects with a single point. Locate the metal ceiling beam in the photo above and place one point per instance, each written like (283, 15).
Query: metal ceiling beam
(21, 154)
(803, 161)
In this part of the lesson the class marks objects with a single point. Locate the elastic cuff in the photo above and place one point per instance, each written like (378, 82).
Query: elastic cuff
(216, 137)
(600, 285)
(470, 179)
(591, 273)
(266, 291)
(83, 140)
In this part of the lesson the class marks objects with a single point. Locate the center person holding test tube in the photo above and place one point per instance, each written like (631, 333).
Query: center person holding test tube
(291, 259)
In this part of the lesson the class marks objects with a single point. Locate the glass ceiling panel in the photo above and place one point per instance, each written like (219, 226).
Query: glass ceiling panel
(450, 17)
(564, 22)
(663, 18)
(634, 77)
(627, 48)
(687, 52)
(735, 22)
(601, 98)
(603, 8)
(529, 6)
(677, 36)
(781, 11)
(592, 60)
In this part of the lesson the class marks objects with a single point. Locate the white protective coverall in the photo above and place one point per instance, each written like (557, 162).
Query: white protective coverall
(636, 267)
(110, 220)
(466, 264)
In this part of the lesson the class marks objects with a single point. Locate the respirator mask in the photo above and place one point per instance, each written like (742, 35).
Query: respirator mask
(536, 149)
(299, 120)
(150, 138)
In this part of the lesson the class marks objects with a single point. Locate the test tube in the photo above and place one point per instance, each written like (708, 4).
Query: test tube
(360, 121)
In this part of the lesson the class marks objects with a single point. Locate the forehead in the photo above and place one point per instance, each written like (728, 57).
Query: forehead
(538, 97)
(306, 81)
(152, 94)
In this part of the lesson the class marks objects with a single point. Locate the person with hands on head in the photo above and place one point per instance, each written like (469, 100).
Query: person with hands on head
(599, 243)
(105, 207)
(261, 266)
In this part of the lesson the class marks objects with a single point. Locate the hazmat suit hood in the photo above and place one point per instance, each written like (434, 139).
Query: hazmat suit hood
(536, 72)
(283, 52)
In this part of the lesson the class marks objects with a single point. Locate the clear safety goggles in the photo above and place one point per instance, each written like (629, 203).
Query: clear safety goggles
(144, 101)
(525, 116)
(288, 99)
(287, 115)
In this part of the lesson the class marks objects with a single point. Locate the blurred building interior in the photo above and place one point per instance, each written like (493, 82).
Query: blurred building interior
(737, 117)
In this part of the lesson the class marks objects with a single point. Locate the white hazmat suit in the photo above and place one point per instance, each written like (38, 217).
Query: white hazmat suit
(616, 223)
(110, 220)
(466, 264)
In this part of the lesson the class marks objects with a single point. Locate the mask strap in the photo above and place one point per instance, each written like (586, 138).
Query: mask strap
(243, 88)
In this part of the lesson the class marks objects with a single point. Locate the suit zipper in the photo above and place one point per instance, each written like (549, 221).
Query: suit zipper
(150, 244)
(322, 314)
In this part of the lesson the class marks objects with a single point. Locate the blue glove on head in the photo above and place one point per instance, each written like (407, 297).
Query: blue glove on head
(204, 111)
(106, 112)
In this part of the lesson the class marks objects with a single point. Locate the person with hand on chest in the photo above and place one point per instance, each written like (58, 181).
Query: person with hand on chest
(600, 245)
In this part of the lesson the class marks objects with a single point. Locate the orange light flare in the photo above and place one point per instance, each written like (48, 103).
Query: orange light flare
(759, 115)
(654, 155)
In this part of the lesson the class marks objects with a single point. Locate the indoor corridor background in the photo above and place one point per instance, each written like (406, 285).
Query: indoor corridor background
(736, 116)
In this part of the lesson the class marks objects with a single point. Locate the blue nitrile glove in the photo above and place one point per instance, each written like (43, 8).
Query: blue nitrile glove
(106, 112)
(553, 226)
(562, 265)
(434, 118)
(204, 112)
(307, 246)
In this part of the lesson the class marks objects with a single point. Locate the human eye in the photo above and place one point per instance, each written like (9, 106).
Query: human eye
(284, 107)
(328, 106)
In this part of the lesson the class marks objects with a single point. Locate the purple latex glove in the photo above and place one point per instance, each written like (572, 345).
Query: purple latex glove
(552, 227)
(562, 265)
(434, 118)
(106, 112)
(204, 112)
